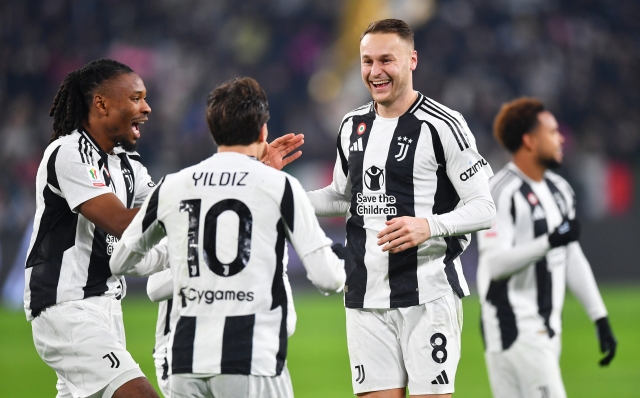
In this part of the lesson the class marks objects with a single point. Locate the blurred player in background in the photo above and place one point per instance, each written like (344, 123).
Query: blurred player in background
(529, 256)
(226, 220)
(88, 184)
(413, 184)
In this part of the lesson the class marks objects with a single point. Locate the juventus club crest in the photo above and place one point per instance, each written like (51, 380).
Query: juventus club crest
(374, 178)
(403, 143)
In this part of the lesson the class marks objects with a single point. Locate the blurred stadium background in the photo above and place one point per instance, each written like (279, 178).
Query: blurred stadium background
(582, 57)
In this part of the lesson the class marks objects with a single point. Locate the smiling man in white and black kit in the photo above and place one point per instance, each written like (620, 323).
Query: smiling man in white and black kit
(412, 184)
(529, 257)
(226, 220)
(88, 184)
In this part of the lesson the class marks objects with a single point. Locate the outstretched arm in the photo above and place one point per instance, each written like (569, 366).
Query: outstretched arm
(402, 233)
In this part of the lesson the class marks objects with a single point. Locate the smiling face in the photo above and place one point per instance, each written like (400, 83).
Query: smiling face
(547, 140)
(125, 102)
(387, 62)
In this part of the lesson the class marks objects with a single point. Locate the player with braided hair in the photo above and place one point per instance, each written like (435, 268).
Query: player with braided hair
(71, 103)
(90, 184)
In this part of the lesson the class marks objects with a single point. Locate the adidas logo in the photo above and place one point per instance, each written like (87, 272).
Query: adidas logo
(356, 146)
(441, 379)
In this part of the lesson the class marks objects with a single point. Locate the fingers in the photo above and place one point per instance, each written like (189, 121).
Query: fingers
(288, 140)
(291, 158)
(290, 146)
(607, 359)
(390, 227)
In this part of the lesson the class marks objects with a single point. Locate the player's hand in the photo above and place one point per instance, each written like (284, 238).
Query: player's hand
(275, 154)
(567, 232)
(608, 342)
(345, 254)
(402, 233)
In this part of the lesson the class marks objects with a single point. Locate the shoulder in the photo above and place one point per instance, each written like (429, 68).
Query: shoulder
(559, 182)
(504, 182)
(134, 157)
(427, 108)
(73, 147)
(363, 110)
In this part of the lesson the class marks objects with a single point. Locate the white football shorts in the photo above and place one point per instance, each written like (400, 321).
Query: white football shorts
(83, 341)
(162, 376)
(231, 386)
(416, 347)
(530, 368)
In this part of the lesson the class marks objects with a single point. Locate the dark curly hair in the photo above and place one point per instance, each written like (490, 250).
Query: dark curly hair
(515, 119)
(71, 104)
(236, 112)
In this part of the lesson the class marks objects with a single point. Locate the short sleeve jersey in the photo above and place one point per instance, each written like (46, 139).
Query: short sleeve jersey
(68, 256)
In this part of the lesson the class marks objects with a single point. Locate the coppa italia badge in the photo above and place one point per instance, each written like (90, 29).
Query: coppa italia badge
(361, 128)
(95, 177)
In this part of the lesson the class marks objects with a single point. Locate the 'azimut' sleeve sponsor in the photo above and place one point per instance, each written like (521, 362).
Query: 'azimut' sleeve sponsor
(469, 174)
(324, 269)
(135, 253)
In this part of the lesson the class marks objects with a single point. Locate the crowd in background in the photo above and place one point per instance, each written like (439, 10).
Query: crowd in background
(582, 57)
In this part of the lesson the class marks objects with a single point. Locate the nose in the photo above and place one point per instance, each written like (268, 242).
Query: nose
(146, 109)
(375, 69)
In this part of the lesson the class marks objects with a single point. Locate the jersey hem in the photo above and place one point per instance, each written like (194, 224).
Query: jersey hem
(422, 299)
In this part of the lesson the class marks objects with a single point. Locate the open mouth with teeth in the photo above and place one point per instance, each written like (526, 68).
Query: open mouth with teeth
(380, 84)
(135, 127)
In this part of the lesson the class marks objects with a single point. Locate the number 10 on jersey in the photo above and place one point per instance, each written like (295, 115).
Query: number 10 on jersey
(192, 208)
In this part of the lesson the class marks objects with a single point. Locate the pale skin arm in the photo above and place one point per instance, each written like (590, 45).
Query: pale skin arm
(275, 154)
(402, 233)
(108, 213)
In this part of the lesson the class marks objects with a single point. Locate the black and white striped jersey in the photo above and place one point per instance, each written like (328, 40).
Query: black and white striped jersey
(68, 256)
(527, 299)
(226, 220)
(422, 164)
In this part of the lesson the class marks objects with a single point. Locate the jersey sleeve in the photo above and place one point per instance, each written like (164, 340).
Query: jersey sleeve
(135, 253)
(333, 200)
(466, 168)
(582, 283)
(78, 177)
(496, 245)
(326, 270)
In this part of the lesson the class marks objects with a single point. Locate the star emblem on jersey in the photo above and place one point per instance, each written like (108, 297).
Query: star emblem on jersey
(361, 128)
(403, 143)
(374, 178)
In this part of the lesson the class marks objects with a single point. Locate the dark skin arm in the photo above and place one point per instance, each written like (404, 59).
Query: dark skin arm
(108, 213)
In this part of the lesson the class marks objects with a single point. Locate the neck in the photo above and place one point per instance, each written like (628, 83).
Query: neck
(399, 107)
(254, 149)
(529, 166)
(100, 136)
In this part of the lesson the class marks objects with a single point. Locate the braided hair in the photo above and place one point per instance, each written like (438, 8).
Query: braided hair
(71, 104)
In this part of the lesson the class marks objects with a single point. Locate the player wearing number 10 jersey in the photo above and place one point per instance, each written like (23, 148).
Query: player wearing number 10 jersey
(226, 220)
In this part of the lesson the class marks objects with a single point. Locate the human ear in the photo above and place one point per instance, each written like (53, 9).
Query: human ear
(99, 104)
